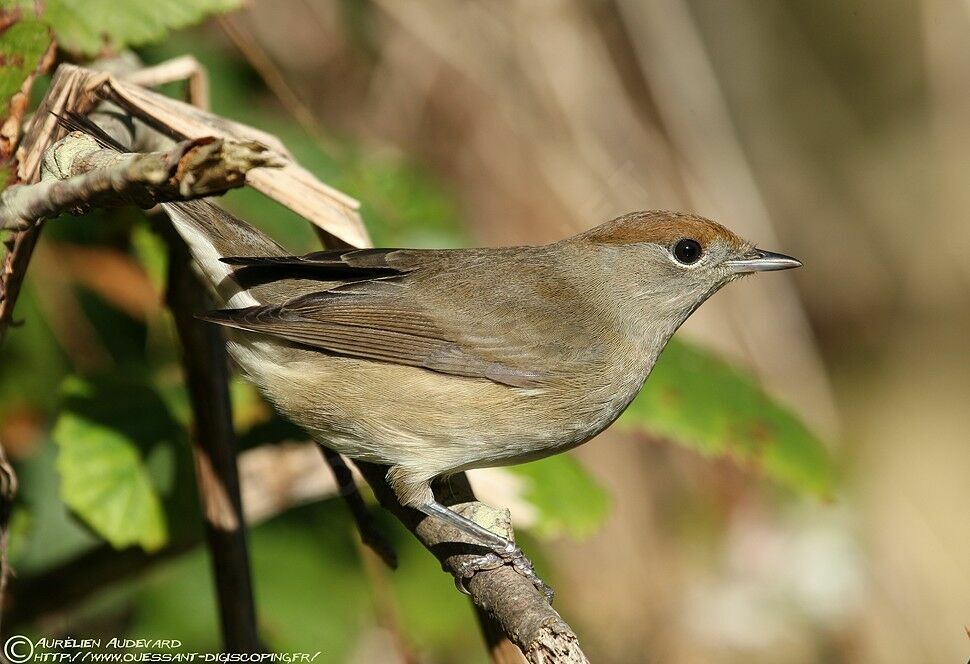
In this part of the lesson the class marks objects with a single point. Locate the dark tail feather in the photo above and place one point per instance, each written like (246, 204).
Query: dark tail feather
(74, 121)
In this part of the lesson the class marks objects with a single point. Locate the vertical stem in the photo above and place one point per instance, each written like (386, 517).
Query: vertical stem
(370, 534)
(19, 249)
(214, 450)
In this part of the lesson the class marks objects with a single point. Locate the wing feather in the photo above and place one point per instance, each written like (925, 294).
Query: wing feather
(338, 265)
(359, 314)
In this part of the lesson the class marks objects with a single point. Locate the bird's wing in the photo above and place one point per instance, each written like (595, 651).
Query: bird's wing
(338, 265)
(369, 310)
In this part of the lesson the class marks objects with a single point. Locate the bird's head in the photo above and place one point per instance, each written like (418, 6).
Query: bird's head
(674, 261)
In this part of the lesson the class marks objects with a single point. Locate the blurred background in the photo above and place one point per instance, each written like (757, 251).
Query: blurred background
(831, 130)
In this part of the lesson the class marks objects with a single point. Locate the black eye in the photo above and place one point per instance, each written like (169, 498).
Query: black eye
(687, 251)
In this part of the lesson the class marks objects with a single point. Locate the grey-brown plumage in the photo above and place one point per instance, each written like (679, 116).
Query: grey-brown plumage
(436, 361)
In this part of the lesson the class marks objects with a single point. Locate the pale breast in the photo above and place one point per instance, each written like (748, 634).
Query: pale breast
(428, 422)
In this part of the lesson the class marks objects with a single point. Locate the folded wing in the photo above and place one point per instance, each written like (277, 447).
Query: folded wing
(368, 310)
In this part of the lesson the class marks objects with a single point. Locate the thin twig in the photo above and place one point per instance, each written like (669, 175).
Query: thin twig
(274, 79)
(10, 126)
(80, 174)
(370, 534)
(19, 249)
(67, 585)
(520, 611)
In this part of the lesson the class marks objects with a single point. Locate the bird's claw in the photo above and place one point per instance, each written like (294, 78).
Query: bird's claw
(510, 555)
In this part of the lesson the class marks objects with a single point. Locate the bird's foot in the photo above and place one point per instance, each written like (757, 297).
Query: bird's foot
(510, 554)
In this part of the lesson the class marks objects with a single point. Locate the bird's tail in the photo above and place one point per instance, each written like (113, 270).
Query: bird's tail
(212, 234)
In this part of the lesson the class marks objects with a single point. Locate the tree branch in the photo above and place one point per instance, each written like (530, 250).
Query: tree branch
(79, 174)
(504, 595)
(70, 583)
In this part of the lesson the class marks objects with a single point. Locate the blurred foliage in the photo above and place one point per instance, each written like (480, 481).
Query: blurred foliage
(697, 400)
(122, 465)
(568, 499)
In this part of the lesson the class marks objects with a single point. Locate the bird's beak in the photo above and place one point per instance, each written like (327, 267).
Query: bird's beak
(759, 260)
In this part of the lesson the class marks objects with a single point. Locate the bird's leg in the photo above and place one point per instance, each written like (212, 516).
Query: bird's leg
(414, 490)
(503, 550)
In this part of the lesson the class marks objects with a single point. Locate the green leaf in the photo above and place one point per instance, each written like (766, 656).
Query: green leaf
(53, 537)
(112, 435)
(86, 27)
(568, 499)
(697, 400)
(21, 47)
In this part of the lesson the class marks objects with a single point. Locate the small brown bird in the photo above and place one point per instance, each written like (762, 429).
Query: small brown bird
(437, 361)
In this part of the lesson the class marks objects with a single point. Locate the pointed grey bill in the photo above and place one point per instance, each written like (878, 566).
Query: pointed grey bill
(759, 260)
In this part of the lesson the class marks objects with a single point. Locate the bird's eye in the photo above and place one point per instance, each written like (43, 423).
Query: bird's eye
(687, 251)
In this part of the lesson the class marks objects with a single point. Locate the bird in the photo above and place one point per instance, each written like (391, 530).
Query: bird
(436, 361)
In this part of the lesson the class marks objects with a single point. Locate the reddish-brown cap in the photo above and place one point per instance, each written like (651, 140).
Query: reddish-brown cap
(663, 228)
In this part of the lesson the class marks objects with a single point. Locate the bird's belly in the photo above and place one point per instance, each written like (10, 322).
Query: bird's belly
(567, 425)
(429, 422)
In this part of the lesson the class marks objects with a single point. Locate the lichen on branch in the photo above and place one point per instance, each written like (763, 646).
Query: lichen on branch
(78, 174)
